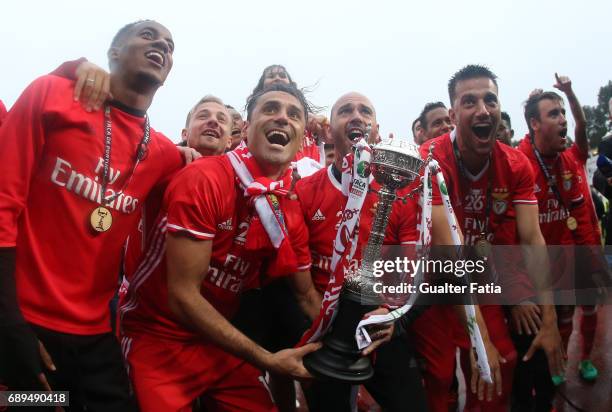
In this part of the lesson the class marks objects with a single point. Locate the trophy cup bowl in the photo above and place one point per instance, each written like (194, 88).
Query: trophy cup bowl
(395, 164)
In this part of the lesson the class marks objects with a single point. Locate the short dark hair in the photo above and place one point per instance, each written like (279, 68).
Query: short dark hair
(471, 71)
(428, 108)
(505, 116)
(279, 87)
(124, 31)
(532, 109)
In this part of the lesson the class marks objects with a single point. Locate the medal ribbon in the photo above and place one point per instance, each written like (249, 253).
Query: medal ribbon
(108, 139)
(485, 228)
(552, 184)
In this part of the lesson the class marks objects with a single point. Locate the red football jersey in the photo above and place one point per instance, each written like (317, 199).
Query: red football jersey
(3, 112)
(552, 214)
(51, 160)
(322, 202)
(507, 177)
(511, 182)
(205, 202)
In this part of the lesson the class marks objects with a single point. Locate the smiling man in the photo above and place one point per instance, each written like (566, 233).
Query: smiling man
(396, 383)
(435, 120)
(476, 168)
(71, 188)
(565, 215)
(225, 220)
(208, 125)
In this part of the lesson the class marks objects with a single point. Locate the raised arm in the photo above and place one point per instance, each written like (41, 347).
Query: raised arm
(564, 84)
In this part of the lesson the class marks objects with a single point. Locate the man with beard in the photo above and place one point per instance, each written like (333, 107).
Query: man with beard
(322, 203)
(579, 151)
(563, 215)
(491, 189)
(435, 121)
(217, 242)
(396, 384)
(316, 128)
(56, 162)
(504, 130)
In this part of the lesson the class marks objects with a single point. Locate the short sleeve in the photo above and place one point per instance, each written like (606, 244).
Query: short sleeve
(298, 235)
(524, 182)
(193, 203)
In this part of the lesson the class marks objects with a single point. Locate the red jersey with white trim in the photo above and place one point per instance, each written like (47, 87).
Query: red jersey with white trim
(51, 162)
(511, 183)
(205, 202)
(3, 112)
(553, 214)
(322, 202)
(507, 177)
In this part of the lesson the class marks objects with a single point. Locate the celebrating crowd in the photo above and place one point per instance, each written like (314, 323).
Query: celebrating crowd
(142, 275)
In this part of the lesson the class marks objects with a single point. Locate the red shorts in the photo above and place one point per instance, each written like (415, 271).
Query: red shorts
(436, 335)
(169, 375)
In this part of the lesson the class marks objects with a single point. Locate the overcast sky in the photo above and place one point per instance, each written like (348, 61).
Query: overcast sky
(399, 54)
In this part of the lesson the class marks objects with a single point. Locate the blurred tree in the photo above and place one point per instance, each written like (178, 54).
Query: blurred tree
(597, 117)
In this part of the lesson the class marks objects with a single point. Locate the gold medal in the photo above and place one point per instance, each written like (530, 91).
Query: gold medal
(572, 223)
(483, 247)
(101, 219)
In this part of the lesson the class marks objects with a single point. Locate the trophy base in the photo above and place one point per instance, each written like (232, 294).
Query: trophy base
(339, 358)
(326, 364)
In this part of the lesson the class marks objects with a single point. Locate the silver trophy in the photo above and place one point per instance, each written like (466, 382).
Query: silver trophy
(395, 164)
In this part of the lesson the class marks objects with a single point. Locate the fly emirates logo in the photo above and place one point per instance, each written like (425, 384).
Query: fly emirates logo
(64, 175)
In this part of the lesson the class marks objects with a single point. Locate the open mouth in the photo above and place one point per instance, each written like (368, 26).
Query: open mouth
(355, 134)
(276, 136)
(156, 57)
(211, 133)
(563, 133)
(236, 132)
(482, 131)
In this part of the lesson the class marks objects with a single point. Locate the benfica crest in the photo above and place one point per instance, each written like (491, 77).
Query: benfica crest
(500, 202)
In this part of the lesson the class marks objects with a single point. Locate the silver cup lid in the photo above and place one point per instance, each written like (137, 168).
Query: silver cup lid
(400, 146)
